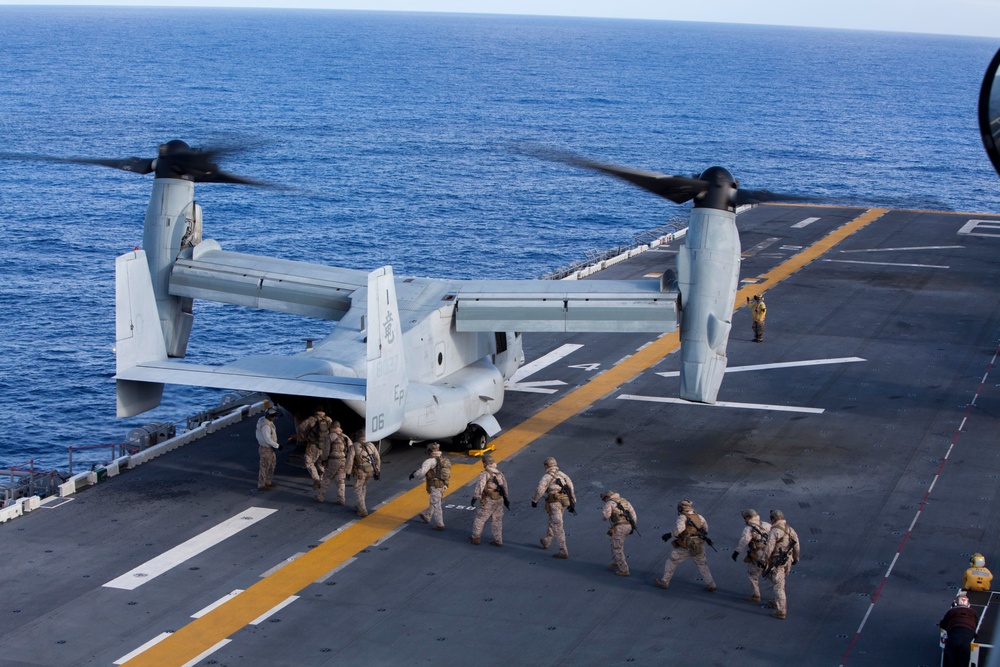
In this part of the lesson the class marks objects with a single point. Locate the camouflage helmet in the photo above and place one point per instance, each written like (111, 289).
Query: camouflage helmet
(433, 448)
(488, 459)
(758, 297)
(685, 506)
(549, 462)
(608, 495)
(777, 515)
(335, 424)
(749, 513)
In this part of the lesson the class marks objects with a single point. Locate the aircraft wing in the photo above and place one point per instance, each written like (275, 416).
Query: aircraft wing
(275, 375)
(619, 306)
(300, 288)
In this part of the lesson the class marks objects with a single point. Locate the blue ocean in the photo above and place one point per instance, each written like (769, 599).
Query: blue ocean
(395, 137)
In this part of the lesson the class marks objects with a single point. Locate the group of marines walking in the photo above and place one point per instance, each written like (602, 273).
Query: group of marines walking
(769, 549)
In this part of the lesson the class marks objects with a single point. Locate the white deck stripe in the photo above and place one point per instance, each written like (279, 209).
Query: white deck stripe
(182, 552)
(267, 614)
(921, 247)
(543, 361)
(784, 364)
(912, 266)
(195, 661)
(218, 603)
(152, 642)
(722, 404)
(804, 223)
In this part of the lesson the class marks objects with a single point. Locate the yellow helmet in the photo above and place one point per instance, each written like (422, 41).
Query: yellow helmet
(977, 560)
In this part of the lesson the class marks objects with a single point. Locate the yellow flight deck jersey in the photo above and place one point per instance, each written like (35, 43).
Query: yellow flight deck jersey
(977, 579)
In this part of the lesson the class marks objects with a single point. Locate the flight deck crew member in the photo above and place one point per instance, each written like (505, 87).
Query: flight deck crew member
(754, 541)
(364, 462)
(315, 431)
(781, 552)
(960, 623)
(623, 519)
(491, 490)
(267, 441)
(436, 470)
(557, 488)
(759, 312)
(977, 577)
(689, 536)
(335, 464)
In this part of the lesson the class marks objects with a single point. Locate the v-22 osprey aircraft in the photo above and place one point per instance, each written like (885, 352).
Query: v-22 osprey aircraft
(416, 358)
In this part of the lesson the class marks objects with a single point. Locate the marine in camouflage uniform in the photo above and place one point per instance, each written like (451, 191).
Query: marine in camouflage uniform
(433, 471)
(267, 443)
(335, 465)
(781, 552)
(491, 489)
(364, 462)
(753, 540)
(688, 542)
(557, 488)
(622, 516)
(314, 431)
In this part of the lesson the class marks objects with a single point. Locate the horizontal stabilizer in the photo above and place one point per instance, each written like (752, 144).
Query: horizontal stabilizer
(273, 375)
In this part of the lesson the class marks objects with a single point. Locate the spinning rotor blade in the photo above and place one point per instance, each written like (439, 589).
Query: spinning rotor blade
(175, 160)
(678, 189)
(764, 196)
(136, 165)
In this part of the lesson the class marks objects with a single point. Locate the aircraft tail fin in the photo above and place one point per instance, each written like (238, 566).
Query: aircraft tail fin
(386, 380)
(138, 334)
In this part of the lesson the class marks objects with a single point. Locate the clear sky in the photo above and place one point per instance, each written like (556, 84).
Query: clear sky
(952, 17)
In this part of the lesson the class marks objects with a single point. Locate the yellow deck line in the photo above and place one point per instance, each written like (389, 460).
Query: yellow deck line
(203, 633)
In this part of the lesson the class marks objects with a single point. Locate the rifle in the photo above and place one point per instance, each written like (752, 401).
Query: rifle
(503, 493)
(371, 459)
(706, 539)
(628, 515)
(780, 558)
(702, 533)
(572, 498)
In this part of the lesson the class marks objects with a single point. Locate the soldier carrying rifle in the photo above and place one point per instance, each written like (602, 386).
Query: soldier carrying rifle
(689, 536)
(623, 519)
(754, 540)
(491, 488)
(780, 554)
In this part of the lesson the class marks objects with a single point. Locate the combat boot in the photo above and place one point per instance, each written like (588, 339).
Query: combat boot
(562, 555)
(778, 615)
(496, 544)
(662, 584)
(474, 539)
(752, 598)
(710, 588)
